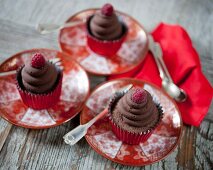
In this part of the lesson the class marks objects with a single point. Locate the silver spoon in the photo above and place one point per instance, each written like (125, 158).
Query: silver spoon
(48, 28)
(167, 83)
(80, 131)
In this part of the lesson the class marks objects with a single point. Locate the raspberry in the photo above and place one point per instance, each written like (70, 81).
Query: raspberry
(139, 96)
(107, 10)
(38, 61)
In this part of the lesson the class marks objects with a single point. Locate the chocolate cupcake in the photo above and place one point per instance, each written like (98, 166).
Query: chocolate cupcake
(134, 116)
(105, 31)
(39, 83)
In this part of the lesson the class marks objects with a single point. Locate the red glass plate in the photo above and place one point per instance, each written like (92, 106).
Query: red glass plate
(75, 89)
(73, 41)
(162, 142)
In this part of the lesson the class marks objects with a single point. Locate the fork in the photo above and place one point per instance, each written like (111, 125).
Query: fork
(48, 28)
(56, 61)
(80, 131)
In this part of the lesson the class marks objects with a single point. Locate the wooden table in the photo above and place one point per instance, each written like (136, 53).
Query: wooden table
(44, 149)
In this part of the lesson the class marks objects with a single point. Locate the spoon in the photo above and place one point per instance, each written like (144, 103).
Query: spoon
(174, 91)
(80, 131)
(48, 28)
(167, 83)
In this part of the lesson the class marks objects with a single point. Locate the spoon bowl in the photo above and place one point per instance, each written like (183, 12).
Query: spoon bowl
(174, 91)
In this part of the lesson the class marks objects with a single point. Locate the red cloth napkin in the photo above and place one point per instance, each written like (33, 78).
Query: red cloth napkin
(184, 66)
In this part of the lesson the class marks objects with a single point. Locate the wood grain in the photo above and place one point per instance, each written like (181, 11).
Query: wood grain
(44, 149)
(4, 131)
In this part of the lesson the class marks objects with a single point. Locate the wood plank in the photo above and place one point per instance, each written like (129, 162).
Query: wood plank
(13, 144)
(186, 148)
(44, 149)
(36, 149)
(204, 147)
(16, 37)
(5, 128)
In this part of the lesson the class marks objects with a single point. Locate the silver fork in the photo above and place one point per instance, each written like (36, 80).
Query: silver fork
(56, 61)
(80, 131)
(48, 28)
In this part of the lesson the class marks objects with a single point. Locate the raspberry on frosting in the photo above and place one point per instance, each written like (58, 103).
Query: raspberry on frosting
(139, 96)
(38, 61)
(107, 9)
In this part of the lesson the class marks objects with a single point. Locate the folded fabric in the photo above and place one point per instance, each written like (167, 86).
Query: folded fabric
(184, 66)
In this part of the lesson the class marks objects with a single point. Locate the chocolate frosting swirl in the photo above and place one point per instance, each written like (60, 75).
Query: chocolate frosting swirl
(135, 117)
(39, 80)
(105, 27)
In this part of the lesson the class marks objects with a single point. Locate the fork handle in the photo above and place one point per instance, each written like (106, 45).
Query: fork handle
(80, 131)
(48, 28)
(8, 73)
(12, 72)
(73, 23)
(75, 135)
(91, 122)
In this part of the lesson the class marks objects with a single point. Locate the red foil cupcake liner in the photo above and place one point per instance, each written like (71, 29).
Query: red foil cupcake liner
(128, 137)
(105, 48)
(41, 101)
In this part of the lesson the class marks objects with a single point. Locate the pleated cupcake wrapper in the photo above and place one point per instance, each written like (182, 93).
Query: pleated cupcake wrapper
(129, 137)
(105, 48)
(41, 101)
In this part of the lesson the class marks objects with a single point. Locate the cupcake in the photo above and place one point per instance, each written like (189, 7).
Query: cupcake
(105, 31)
(39, 83)
(134, 116)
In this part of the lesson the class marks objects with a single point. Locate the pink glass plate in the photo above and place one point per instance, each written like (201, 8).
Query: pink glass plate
(162, 142)
(73, 41)
(75, 89)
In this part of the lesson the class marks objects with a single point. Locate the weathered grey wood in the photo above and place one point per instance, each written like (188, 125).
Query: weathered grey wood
(4, 131)
(44, 149)
(16, 37)
(204, 149)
